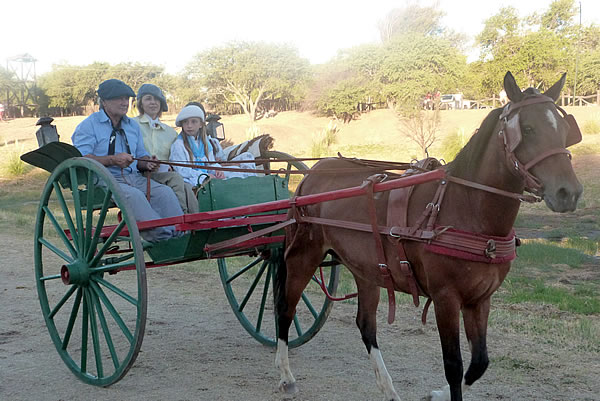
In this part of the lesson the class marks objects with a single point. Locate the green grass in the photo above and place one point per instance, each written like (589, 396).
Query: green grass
(580, 333)
(536, 291)
(540, 252)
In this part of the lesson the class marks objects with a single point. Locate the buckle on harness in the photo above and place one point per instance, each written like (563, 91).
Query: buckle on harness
(490, 249)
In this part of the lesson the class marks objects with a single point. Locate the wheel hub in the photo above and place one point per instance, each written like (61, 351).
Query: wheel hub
(77, 272)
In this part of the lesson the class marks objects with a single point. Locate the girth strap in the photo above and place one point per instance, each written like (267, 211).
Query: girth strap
(383, 266)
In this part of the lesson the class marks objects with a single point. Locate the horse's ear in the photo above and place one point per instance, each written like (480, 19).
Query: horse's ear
(554, 91)
(513, 92)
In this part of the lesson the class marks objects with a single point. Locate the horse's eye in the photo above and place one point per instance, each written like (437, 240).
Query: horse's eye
(527, 130)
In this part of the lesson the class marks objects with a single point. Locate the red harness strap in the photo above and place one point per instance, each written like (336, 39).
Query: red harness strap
(383, 266)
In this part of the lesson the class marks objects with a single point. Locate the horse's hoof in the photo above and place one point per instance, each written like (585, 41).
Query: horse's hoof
(439, 395)
(288, 388)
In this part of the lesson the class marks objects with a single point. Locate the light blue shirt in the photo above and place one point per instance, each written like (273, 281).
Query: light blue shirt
(92, 135)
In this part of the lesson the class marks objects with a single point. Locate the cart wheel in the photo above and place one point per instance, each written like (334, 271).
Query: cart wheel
(96, 318)
(249, 292)
(293, 179)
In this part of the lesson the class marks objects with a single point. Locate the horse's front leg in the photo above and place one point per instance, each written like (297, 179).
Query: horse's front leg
(476, 321)
(368, 299)
(447, 315)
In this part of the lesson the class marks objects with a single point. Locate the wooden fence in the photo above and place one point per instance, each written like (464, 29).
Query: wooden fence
(565, 100)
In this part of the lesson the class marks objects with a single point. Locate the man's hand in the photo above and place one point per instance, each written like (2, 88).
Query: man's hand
(121, 160)
(219, 174)
(148, 164)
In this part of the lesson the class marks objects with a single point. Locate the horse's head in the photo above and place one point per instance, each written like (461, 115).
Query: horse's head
(536, 133)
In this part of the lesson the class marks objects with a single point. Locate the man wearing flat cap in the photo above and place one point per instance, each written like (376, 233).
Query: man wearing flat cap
(113, 139)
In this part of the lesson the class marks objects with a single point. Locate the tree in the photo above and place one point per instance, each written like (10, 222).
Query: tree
(246, 72)
(537, 49)
(498, 29)
(559, 16)
(420, 126)
(411, 19)
(414, 64)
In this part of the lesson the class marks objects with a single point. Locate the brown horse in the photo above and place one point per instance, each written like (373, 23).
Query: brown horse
(519, 147)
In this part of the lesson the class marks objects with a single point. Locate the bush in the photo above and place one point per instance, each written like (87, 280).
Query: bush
(252, 132)
(591, 127)
(323, 140)
(453, 143)
(14, 166)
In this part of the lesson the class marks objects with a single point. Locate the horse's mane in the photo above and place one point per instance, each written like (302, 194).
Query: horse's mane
(470, 155)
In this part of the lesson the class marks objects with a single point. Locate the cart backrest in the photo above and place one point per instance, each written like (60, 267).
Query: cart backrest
(224, 194)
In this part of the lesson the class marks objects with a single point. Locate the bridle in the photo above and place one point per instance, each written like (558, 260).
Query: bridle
(511, 136)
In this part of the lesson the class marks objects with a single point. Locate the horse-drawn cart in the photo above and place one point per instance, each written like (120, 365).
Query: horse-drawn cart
(90, 260)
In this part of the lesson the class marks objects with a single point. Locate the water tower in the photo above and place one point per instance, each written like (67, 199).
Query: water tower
(24, 94)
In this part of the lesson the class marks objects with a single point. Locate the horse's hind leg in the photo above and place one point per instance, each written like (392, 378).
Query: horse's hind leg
(447, 315)
(289, 284)
(368, 299)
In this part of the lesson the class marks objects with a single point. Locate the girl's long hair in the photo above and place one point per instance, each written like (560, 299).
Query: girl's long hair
(204, 138)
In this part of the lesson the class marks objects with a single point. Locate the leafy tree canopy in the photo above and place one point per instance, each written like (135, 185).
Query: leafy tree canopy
(246, 72)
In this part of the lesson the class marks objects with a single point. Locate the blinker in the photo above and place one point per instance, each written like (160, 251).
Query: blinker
(574, 135)
(514, 136)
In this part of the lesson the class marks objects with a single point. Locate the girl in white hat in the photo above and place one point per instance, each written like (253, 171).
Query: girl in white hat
(194, 146)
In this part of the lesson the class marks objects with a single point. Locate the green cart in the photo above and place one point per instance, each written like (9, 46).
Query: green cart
(90, 261)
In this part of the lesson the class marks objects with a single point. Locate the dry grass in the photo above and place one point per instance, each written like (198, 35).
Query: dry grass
(375, 135)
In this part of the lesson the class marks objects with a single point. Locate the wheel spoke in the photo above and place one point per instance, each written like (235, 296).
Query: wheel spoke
(77, 207)
(72, 319)
(244, 270)
(104, 325)
(107, 243)
(253, 286)
(56, 250)
(112, 266)
(297, 326)
(60, 231)
(62, 301)
(50, 277)
(309, 305)
(113, 312)
(89, 214)
(67, 214)
(84, 335)
(116, 290)
(94, 330)
(263, 300)
(99, 225)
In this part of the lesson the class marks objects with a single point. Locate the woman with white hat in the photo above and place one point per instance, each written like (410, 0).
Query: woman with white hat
(158, 138)
(194, 146)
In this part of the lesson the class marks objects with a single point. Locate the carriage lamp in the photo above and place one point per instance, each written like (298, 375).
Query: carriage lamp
(47, 132)
(215, 128)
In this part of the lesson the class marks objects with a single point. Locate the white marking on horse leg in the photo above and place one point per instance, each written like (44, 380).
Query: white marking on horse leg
(444, 394)
(384, 381)
(287, 384)
(552, 119)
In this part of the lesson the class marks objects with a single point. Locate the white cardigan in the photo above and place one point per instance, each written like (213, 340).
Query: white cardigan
(197, 176)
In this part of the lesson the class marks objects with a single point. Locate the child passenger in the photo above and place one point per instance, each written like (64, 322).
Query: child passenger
(194, 146)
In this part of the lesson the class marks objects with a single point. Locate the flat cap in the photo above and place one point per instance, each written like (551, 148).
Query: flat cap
(150, 89)
(113, 88)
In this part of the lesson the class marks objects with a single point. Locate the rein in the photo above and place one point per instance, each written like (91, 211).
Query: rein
(368, 166)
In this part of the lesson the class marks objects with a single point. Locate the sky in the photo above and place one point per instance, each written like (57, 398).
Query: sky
(169, 33)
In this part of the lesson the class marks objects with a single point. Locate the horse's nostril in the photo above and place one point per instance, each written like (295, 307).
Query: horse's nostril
(562, 194)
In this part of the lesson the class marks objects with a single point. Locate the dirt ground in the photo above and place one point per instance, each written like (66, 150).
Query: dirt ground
(195, 349)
